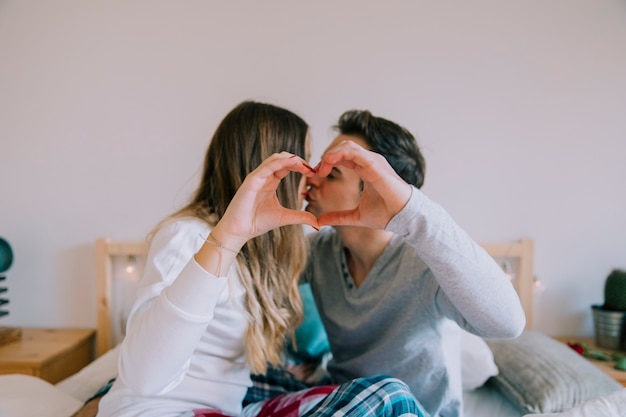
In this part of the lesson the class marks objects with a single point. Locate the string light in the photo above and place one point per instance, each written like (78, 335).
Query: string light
(131, 264)
(508, 269)
(538, 288)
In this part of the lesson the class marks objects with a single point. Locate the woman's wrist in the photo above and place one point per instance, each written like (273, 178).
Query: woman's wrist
(216, 256)
(227, 241)
(210, 239)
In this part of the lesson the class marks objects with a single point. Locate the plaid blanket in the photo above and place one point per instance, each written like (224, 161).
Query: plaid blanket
(279, 394)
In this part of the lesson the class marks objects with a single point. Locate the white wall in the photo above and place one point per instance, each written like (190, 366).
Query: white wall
(106, 109)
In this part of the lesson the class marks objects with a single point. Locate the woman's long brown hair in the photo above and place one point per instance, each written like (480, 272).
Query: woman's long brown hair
(269, 265)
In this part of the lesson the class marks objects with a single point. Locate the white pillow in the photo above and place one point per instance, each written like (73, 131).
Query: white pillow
(612, 405)
(474, 357)
(541, 375)
(83, 384)
(29, 396)
(477, 364)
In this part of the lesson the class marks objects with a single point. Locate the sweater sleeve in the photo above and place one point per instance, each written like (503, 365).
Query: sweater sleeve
(475, 291)
(175, 302)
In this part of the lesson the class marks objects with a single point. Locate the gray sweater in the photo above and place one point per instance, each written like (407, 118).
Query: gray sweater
(392, 324)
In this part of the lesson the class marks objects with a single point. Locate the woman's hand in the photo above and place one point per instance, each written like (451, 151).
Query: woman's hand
(255, 208)
(384, 192)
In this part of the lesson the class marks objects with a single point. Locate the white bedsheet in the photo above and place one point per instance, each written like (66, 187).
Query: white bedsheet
(29, 396)
(25, 396)
(85, 383)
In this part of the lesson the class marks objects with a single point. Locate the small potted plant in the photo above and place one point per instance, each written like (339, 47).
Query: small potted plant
(610, 318)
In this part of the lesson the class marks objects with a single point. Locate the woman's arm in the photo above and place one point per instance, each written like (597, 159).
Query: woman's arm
(185, 276)
(253, 211)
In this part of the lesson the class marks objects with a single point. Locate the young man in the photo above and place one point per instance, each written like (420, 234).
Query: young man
(395, 267)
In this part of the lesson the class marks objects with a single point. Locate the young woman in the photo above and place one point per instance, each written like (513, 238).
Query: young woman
(219, 290)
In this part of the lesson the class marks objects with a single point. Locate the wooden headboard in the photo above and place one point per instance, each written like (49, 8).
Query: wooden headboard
(518, 254)
(106, 251)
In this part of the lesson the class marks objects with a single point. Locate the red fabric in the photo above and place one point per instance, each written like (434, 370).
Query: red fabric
(288, 405)
(284, 405)
(207, 412)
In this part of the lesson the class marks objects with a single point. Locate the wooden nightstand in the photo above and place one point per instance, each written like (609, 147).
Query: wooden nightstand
(51, 354)
(607, 367)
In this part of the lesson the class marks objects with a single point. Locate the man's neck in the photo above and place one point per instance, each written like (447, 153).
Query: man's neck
(363, 247)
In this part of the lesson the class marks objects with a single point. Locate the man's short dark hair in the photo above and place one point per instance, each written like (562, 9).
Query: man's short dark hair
(389, 139)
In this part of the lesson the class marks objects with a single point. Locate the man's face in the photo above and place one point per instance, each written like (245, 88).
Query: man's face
(302, 187)
(340, 190)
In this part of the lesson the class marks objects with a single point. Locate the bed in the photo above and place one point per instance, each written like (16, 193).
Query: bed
(532, 374)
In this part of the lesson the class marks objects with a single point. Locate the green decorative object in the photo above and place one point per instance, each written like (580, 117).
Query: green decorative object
(6, 259)
(6, 255)
(609, 319)
(615, 291)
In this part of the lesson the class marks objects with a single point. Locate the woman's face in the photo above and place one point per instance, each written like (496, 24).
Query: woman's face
(340, 190)
(302, 187)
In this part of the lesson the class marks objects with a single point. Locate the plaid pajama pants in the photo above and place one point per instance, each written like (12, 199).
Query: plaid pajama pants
(278, 394)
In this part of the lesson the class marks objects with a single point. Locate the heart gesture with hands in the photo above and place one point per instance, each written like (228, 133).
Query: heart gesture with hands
(255, 209)
(384, 192)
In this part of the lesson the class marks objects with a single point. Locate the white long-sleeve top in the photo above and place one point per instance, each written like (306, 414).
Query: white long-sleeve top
(184, 344)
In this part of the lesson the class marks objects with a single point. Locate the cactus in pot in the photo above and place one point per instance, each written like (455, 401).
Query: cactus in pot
(610, 318)
(615, 291)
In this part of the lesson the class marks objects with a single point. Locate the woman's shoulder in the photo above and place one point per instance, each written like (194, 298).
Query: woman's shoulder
(181, 232)
(182, 224)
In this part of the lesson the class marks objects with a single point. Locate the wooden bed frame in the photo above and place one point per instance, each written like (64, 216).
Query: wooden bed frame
(106, 251)
(519, 253)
